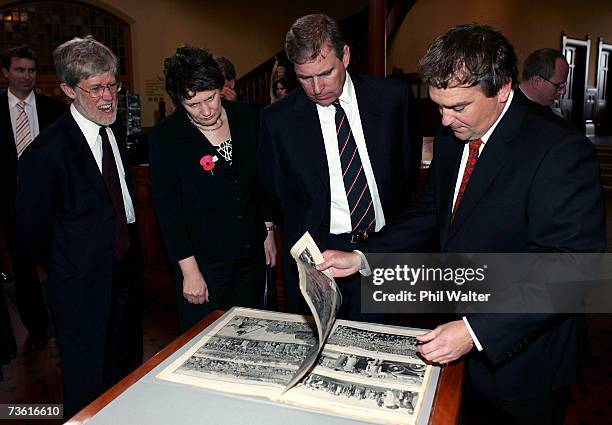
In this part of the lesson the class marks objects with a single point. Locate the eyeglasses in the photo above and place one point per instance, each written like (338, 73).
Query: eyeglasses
(98, 91)
(558, 86)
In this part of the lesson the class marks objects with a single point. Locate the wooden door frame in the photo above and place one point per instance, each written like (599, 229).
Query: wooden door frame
(586, 43)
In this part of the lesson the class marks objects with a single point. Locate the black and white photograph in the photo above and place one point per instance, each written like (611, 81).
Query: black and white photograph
(318, 288)
(306, 257)
(269, 354)
(365, 338)
(197, 366)
(382, 370)
(250, 348)
(373, 398)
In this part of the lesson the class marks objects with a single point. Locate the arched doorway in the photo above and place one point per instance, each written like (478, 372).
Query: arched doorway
(43, 25)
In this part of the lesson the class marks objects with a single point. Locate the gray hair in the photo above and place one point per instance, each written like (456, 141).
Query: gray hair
(80, 58)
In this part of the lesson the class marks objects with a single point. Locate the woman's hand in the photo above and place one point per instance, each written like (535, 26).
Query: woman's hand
(195, 289)
(270, 247)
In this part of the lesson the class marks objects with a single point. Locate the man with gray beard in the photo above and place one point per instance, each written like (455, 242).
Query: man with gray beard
(76, 216)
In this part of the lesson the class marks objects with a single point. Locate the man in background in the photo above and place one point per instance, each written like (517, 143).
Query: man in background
(544, 78)
(75, 214)
(23, 114)
(338, 157)
(229, 73)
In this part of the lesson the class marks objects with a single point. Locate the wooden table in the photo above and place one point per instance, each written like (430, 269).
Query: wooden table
(447, 400)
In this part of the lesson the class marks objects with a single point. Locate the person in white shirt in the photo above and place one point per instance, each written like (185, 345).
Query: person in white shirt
(504, 179)
(76, 215)
(23, 114)
(339, 157)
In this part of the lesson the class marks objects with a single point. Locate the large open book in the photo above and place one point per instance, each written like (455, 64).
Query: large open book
(361, 370)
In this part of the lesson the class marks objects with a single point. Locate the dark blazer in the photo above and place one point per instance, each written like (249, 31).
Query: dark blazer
(545, 111)
(535, 188)
(66, 219)
(48, 110)
(293, 163)
(212, 215)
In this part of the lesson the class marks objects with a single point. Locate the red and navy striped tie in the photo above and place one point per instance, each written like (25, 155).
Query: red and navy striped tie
(355, 182)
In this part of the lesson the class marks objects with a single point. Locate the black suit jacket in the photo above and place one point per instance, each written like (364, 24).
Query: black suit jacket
(48, 110)
(216, 215)
(66, 219)
(535, 188)
(293, 163)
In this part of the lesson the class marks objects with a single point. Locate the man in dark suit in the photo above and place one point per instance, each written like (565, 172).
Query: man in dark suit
(23, 114)
(544, 78)
(340, 157)
(504, 179)
(75, 214)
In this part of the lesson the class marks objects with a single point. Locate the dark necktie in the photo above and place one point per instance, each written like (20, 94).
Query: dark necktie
(355, 182)
(469, 169)
(111, 180)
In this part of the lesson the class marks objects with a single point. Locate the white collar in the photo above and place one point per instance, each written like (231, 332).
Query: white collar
(348, 90)
(346, 97)
(486, 136)
(14, 100)
(89, 128)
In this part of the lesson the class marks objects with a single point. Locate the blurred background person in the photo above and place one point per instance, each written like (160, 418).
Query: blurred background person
(545, 78)
(279, 89)
(282, 78)
(23, 114)
(229, 74)
(204, 186)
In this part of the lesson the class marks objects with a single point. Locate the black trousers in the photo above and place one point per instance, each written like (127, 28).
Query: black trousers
(93, 360)
(28, 290)
(230, 283)
(480, 409)
(8, 348)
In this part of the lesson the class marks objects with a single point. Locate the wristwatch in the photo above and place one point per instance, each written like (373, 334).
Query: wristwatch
(271, 228)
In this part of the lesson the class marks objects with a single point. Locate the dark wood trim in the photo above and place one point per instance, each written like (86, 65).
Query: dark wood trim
(397, 13)
(377, 37)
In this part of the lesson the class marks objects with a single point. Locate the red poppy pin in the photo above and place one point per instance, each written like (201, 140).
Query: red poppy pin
(208, 162)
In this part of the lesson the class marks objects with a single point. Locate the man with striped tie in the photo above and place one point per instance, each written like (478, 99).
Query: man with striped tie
(338, 158)
(23, 114)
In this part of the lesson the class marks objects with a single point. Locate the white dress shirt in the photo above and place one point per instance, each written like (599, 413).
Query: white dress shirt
(30, 108)
(91, 131)
(340, 216)
(484, 138)
(366, 271)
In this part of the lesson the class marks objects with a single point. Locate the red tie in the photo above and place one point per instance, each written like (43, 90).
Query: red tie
(111, 179)
(469, 169)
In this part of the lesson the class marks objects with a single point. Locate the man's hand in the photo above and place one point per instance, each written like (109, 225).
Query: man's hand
(446, 343)
(228, 93)
(341, 263)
